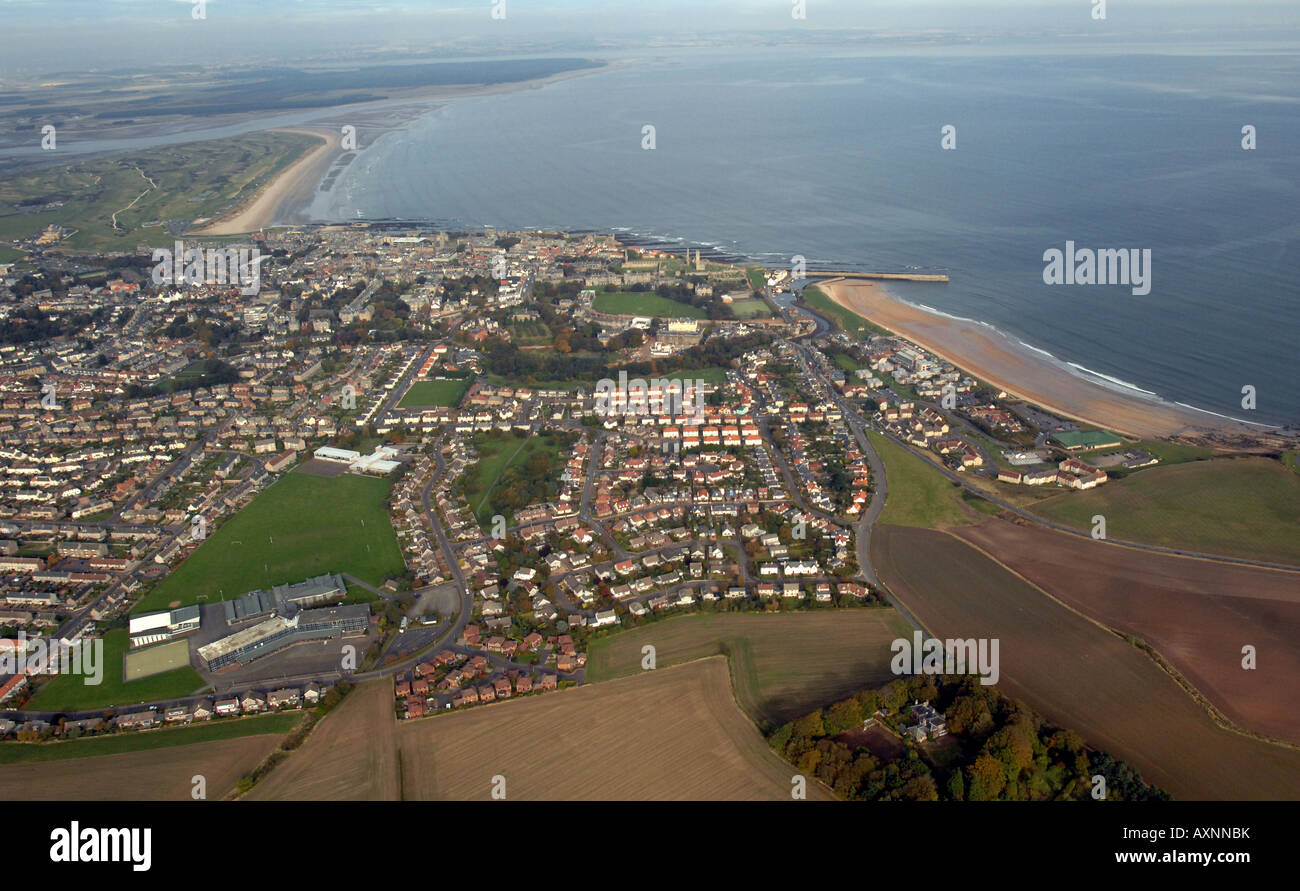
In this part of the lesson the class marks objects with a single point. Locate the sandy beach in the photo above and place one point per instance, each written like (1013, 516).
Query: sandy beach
(287, 187)
(999, 360)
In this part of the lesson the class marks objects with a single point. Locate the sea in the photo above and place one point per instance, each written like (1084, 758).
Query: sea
(769, 154)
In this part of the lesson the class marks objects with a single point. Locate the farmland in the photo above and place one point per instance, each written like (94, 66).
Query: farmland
(1196, 613)
(1078, 674)
(782, 665)
(670, 734)
(141, 190)
(351, 755)
(1239, 507)
(645, 303)
(158, 774)
(69, 692)
(440, 393)
(918, 494)
(301, 526)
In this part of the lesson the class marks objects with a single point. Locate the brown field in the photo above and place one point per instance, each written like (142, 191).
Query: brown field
(668, 734)
(1077, 674)
(1198, 614)
(350, 756)
(164, 774)
(783, 664)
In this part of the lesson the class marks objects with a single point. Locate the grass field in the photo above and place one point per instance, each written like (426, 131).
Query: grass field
(918, 494)
(1077, 674)
(299, 527)
(156, 659)
(150, 740)
(9, 254)
(782, 665)
(497, 453)
(645, 303)
(445, 393)
(670, 734)
(179, 182)
(750, 308)
(351, 754)
(68, 692)
(150, 775)
(1240, 507)
(852, 323)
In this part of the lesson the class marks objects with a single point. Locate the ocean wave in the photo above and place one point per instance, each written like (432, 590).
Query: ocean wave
(1119, 382)
(1229, 417)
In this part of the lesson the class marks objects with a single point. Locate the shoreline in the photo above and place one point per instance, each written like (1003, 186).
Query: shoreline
(1001, 361)
(287, 185)
(292, 190)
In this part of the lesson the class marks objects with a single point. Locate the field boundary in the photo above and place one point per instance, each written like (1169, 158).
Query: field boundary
(1220, 719)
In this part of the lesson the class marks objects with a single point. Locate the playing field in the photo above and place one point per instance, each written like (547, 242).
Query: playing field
(156, 659)
(645, 303)
(1077, 674)
(443, 393)
(750, 308)
(1239, 507)
(70, 692)
(301, 526)
(919, 495)
(783, 665)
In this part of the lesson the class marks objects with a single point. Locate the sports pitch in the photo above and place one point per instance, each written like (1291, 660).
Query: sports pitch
(156, 659)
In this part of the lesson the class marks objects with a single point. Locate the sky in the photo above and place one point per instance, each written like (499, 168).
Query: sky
(49, 36)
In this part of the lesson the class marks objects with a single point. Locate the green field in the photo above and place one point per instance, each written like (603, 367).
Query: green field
(1240, 507)
(68, 692)
(645, 303)
(446, 393)
(116, 744)
(918, 494)
(190, 181)
(852, 323)
(301, 526)
(750, 308)
(499, 452)
(782, 664)
(10, 255)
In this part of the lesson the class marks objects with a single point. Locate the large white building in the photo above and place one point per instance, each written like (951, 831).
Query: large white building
(157, 627)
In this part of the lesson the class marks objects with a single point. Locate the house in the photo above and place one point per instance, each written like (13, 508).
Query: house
(203, 710)
(284, 697)
(251, 703)
(547, 681)
(226, 707)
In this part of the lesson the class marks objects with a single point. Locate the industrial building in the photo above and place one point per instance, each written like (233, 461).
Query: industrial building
(278, 632)
(285, 599)
(157, 627)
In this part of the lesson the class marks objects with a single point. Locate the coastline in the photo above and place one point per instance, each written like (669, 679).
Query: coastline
(292, 190)
(288, 185)
(999, 360)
